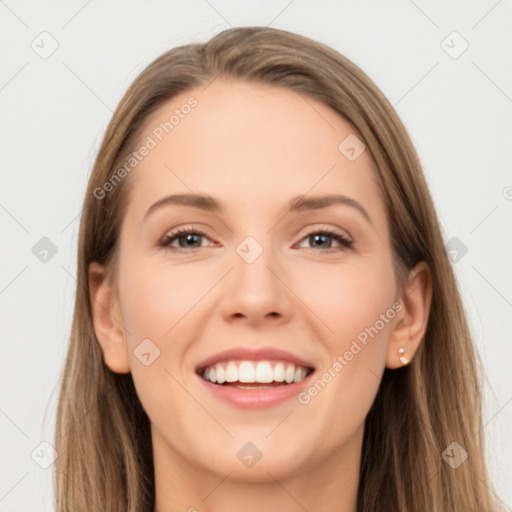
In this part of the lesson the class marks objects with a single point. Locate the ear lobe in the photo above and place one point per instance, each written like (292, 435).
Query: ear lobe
(107, 320)
(410, 326)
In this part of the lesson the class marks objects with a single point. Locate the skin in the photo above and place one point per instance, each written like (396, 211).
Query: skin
(254, 147)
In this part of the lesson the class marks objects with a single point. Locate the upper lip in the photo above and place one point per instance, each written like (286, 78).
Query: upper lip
(248, 354)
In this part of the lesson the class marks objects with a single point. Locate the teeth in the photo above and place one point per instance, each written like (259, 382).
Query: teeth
(219, 371)
(289, 374)
(279, 372)
(300, 373)
(261, 372)
(246, 372)
(231, 372)
(264, 372)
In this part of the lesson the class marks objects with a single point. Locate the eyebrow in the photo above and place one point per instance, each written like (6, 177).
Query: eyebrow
(295, 205)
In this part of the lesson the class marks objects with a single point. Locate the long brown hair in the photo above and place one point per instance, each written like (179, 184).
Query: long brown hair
(103, 434)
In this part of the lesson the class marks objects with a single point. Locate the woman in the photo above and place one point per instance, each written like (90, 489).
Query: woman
(220, 359)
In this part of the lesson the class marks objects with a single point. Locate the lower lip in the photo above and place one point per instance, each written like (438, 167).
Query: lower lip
(256, 398)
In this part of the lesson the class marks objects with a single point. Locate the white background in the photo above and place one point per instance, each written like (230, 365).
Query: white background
(54, 113)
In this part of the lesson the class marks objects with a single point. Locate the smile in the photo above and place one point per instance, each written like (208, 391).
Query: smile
(249, 378)
(238, 373)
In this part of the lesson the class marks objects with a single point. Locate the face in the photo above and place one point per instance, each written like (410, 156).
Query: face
(253, 274)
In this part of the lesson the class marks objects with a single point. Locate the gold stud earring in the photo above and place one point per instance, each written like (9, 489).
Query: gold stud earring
(403, 359)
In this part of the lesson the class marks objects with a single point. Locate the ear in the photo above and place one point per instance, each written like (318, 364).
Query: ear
(107, 320)
(411, 322)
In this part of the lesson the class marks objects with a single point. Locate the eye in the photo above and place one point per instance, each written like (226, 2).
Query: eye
(322, 238)
(191, 239)
(186, 238)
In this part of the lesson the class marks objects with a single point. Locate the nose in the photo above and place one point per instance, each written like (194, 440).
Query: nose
(256, 292)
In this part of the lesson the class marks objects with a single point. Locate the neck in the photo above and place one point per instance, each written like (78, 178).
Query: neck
(327, 484)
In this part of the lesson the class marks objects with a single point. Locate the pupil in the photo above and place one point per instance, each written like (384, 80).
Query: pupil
(189, 238)
(316, 237)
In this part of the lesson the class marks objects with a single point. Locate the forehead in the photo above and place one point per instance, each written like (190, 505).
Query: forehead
(249, 143)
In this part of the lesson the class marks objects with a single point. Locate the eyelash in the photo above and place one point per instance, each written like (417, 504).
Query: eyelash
(168, 239)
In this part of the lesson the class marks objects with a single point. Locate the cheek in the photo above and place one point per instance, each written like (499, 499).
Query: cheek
(355, 306)
(162, 303)
(157, 296)
(348, 298)
(157, 302)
